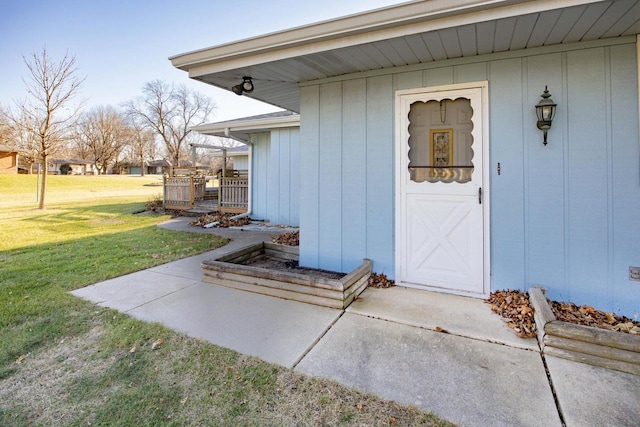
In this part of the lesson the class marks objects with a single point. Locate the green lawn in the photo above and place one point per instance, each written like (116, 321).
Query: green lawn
(64, 361)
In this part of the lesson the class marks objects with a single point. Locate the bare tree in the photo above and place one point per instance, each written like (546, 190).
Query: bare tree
(141, 141)
(5, 128)
(171, 111)
(45, 118)
(27, 142)
(101, 134)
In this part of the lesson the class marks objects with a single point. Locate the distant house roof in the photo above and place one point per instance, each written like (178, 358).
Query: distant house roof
(72, 161)
(242, 150)
(240, 129)
(7, 149)
(162, 163)
(158, 163)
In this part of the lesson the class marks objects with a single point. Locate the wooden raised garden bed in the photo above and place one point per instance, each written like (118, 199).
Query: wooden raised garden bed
(586, 344)
(271, 269)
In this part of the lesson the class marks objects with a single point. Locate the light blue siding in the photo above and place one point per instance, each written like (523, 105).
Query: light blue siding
(260, 152)
(544, 186)
(241, 162)
(564, 215)
(354, 173)
(380, 174)
(588, 237)
(506, 145)
(276, 176)
(625, 188)
(309, 175)
(330, 167)
(285, 156)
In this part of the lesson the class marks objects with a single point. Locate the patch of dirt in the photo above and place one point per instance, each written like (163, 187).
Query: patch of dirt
(514, 308)
(40, 383)
(293, 267)
(223, 219)
(289, 238)
(380, 281)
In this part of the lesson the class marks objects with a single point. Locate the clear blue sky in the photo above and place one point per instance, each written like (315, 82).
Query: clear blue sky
(119, 45)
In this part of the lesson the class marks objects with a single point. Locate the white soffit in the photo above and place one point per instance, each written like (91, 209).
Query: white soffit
(242, 128)
(405, 34)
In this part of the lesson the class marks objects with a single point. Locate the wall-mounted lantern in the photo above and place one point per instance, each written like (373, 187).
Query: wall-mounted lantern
(245, 87)
(546, 111)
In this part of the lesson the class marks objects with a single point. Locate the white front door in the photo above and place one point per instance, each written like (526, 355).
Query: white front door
(441, 204)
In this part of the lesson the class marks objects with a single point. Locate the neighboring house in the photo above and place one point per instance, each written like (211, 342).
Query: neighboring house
(8, 160)
(239, 156)
(419, 146)
(154, 167)
(158, 167)
(272, 157)
(77, 167)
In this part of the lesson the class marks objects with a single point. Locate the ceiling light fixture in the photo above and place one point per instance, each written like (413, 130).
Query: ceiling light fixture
(245, 87)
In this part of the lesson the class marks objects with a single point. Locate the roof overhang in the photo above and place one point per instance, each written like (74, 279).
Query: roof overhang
(241, 129)
(404, 34)
(231, 153)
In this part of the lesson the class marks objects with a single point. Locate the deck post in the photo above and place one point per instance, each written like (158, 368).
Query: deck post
(164, 190)
(192, 191)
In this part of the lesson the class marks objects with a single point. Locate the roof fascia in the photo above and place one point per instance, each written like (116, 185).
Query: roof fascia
(246, 126)
(380, 24)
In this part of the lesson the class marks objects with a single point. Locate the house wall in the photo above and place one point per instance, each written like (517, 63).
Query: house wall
(241, 162)
(8, 162)
(563, 215)
(276, 176)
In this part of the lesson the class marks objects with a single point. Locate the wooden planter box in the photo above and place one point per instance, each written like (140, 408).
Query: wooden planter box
(586, 344)
(231, 271)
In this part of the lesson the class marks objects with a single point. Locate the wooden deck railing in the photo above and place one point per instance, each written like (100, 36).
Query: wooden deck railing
(184, 192)
(234, 195)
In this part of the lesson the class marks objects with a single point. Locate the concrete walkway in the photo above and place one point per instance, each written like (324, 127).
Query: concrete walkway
(475, 371)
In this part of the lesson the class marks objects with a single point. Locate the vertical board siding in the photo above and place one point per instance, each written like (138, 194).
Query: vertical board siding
(259, 191)
(588, 234)
(284, 199)
(275, 188)
(294, 179)
(310, 175)
(626, 178)
(330, 190)
(438, 76)
(564, 216)
(354, 174)
(380, 174)
(240, 162)
(470, 72)
(273, 172)
(544, 178)
(506, 146)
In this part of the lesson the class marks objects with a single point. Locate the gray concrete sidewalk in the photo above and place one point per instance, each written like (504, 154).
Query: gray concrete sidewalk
(476, 373)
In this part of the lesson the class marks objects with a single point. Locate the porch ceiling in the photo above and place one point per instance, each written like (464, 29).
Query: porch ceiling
(405, 34)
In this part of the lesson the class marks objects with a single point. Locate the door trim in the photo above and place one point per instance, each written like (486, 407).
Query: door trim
(486, 199)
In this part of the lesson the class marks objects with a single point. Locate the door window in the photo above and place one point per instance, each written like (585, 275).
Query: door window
(440, 141)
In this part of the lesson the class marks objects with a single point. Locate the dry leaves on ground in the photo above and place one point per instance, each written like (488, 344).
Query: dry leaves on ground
(514, 308)
(589, 316)
(290, 238)
(380, 281)
(224, 220)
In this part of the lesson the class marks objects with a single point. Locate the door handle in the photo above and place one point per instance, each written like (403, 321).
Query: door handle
(480, 195)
